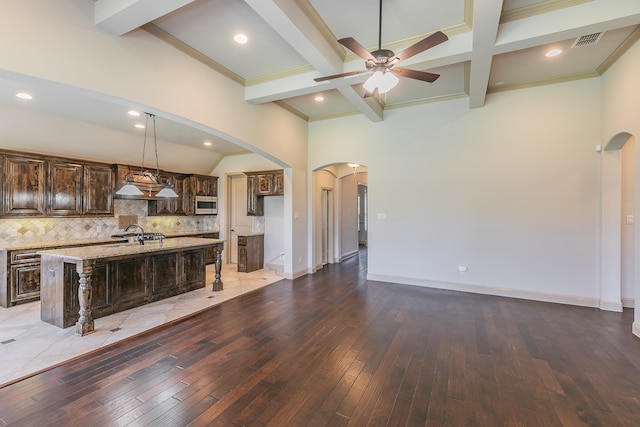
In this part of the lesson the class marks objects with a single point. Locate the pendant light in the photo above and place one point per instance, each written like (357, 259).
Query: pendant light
(145, 180)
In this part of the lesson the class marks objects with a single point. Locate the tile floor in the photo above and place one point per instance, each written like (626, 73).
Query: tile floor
(28, 345)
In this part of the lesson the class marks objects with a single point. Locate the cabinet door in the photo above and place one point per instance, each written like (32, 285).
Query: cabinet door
(25, 282)
(98, 190)
(165, 273)
(181, 204)
(65, 184)
(278, 184)
(131, 279)
(206, 185)
(264, 184)
(255, 204)
(169, 206)
(24, 186)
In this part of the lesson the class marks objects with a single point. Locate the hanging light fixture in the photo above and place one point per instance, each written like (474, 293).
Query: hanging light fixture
(145, 180)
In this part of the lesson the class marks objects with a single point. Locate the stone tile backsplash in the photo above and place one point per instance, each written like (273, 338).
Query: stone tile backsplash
(24, 230)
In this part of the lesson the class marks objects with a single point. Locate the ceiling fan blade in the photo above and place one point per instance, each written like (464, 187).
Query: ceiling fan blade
(424, 44)
(335, 76)
(355, 47)
(414, 74)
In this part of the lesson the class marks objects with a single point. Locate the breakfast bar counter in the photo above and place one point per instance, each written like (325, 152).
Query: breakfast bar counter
(82, 283)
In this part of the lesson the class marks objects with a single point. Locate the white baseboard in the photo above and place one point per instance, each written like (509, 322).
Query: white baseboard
(635, 328)
(611, 306)
(628, 302)
(348, 255)
(488, 290)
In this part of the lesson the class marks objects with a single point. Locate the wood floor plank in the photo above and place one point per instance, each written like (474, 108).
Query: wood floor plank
(334, 349)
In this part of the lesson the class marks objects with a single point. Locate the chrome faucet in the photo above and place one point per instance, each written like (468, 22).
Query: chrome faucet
(139, 236)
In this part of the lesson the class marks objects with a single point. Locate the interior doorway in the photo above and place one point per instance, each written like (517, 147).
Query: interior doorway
(327, 227)
(238, 220)
(362, 214)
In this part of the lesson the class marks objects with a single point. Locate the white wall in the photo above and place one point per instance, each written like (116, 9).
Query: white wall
(509, 190)
(621, 91)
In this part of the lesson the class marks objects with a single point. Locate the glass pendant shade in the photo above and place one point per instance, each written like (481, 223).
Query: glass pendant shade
(167, 192)
(129, 190)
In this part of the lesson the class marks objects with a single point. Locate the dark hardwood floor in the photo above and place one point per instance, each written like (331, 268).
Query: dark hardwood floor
(335, 349)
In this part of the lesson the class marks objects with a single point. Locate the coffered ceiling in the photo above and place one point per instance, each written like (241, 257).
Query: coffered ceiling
(493, 45)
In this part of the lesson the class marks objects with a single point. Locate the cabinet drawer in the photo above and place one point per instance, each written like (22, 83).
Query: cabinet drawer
(19, 257)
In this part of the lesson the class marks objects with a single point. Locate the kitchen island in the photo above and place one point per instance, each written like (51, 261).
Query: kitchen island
(80, 284)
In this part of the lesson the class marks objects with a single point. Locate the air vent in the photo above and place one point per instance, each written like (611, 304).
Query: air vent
(588, 40)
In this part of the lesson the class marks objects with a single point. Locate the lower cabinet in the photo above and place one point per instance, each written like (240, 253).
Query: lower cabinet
(250, 253)
(122, 284)
(25, 282)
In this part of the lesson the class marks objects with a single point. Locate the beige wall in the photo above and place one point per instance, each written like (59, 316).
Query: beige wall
(509, 190)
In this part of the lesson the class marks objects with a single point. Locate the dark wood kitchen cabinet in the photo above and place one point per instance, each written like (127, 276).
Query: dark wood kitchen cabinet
(45, 186)
(187, 187)
(250, 253)
(172, 206)
(24, 186)
(24, 277)
(261, 184)
(97, 189)
(65, 189)
(205, 185)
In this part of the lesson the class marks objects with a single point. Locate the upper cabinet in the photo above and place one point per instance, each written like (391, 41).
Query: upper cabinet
(34, 185)
(23, 186)
(260, 184)
(64, 197)
(187, 187)
(97, 190)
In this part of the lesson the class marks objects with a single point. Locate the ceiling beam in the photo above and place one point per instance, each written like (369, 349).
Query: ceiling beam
(118, 17)
(297, 23)
(486, 19)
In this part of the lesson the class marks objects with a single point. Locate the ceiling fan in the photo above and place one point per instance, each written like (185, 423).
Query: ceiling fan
(382, 62)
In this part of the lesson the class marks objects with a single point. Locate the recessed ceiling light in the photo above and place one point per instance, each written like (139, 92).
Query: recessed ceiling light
(133, 113)
(207, 144)
(139, 125)
(553, 52)
(23, 95)
(319, 98)
(241, 38)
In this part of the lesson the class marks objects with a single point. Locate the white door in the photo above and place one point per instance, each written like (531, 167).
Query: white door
(240, 222)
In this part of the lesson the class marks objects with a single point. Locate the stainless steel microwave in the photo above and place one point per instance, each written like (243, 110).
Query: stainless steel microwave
(206, 205)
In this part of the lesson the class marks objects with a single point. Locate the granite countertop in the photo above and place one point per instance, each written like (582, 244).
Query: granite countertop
(44, 244)
(125, 249)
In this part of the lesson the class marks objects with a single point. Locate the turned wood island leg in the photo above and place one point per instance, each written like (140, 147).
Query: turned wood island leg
(217, 283)
(85, 324)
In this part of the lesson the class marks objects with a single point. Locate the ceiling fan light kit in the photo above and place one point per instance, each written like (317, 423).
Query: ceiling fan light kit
(382, 61)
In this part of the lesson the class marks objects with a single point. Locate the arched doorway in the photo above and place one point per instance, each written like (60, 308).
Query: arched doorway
(339, 198)
(618, 236)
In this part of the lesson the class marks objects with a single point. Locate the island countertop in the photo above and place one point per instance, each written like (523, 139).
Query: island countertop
(127, 249)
